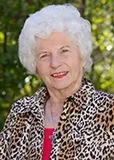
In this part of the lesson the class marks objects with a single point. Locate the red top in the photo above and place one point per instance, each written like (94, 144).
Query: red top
(47, 146)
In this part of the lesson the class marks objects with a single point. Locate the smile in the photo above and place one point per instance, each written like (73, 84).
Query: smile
(60, 74)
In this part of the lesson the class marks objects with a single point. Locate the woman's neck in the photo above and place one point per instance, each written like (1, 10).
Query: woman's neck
(52, 113)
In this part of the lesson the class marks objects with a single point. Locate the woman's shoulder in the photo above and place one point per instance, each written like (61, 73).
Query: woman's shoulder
(23, 107)
(103, 97)
(104, 101)
(105, 107)
(26, 103)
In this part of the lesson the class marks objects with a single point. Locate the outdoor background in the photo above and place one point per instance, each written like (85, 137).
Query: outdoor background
(15, 81)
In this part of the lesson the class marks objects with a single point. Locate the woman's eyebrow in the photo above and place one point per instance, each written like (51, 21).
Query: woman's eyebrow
(66, 46)
(41, 52)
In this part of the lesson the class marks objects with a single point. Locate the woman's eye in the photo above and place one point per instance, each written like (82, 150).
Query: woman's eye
(43, 56)
(65, 50)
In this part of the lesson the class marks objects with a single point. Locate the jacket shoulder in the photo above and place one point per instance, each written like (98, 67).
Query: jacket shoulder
(105, 110)
(24, 104)
(103, 98)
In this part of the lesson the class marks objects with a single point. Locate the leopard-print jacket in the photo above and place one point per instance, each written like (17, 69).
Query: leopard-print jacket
(85, 130)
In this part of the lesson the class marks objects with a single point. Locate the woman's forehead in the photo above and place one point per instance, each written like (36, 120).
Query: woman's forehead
(55, 39)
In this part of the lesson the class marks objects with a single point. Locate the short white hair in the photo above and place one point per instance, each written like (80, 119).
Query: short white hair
(55, 18)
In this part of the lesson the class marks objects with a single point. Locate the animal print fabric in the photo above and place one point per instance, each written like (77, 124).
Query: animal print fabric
(85, 130)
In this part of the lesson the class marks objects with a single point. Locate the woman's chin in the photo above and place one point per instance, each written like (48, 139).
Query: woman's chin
(60, 86)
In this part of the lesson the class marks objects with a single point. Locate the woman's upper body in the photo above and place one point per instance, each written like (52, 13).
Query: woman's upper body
(85, 130)
(56, 45)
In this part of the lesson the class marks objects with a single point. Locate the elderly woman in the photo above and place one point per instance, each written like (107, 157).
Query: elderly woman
(68, 119)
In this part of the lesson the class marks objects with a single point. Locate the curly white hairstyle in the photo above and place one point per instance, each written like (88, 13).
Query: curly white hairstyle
(55, 18)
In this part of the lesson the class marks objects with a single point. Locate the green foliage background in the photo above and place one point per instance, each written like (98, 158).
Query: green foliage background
(15, 81)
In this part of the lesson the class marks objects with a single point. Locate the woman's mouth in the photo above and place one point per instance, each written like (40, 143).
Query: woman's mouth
(59, 74)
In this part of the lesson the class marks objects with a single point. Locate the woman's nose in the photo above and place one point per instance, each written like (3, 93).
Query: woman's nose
(55, 61)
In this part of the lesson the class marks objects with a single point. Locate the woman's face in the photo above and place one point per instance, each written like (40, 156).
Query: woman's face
(58, 61)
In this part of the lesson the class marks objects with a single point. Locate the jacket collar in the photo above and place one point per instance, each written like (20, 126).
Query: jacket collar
(36, 103)
(79, 98)
(83, 93)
